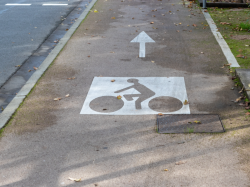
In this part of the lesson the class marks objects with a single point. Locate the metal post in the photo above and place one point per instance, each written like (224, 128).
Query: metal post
(204, 4)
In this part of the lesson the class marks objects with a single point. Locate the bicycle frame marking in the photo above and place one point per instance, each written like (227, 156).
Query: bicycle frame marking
(160, 86)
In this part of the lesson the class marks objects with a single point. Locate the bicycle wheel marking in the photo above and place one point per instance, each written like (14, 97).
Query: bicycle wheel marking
(140, 95)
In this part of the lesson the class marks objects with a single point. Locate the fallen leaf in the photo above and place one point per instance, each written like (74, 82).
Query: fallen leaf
(29, 70)
(113, 80)
(119, 97)
(57, 99)
(113, 18)
(180, 162)
(241, 90)
(67, 95)
(238, 99)
(194, 25)
(224, 23)
(152, 22)
(71, 78)
(160, 114)
(181, 142)
(165, 169)
(35, 68)
(95, 11)
(112, 52)
(197, 122)
(239, 56)
(88, 56)
(66, 29)
(73, 179)
(248, 113)
(185, 102)
(17, 65)
(153, 61)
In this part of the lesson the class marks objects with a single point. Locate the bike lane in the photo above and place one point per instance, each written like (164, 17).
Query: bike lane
(104, 131)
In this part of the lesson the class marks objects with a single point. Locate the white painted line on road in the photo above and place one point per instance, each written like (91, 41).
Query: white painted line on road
(223, 44)
(142, 38)
(11, 4)
(55, 4)
(130, 90)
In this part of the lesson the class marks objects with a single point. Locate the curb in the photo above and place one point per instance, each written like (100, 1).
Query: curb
(223, 44)
(18, 99)
(244, 76)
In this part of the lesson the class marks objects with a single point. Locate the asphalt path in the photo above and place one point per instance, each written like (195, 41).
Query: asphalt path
(92, 115)
(23, 28)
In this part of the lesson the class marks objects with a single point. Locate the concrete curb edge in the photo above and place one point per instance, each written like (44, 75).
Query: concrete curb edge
(6, 115)
(223, 44)
(244, 77)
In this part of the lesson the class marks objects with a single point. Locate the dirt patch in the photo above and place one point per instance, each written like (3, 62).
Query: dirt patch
(236, 9)
(241, 37)
(30, 116)
(37, 112)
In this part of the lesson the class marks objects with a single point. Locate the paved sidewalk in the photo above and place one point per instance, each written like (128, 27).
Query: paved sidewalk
(49, 141)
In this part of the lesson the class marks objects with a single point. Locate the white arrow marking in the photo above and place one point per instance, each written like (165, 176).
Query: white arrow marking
(142, 38)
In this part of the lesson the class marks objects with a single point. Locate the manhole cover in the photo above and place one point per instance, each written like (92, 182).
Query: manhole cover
(189, 123)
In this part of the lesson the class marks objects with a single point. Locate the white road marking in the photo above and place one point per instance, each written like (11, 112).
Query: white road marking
(11, 4)
(55, 4)
(142, 38)
(223, 44)
(162, 86)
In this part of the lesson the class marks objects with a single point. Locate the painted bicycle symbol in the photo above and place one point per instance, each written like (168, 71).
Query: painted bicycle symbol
(108, 104)
(140, 96)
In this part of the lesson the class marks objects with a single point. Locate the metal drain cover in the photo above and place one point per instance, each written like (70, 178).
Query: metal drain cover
(189, 123)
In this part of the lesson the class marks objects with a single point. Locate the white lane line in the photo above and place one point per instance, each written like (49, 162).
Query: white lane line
(15, 4)
(223, 44)
(55, 4)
